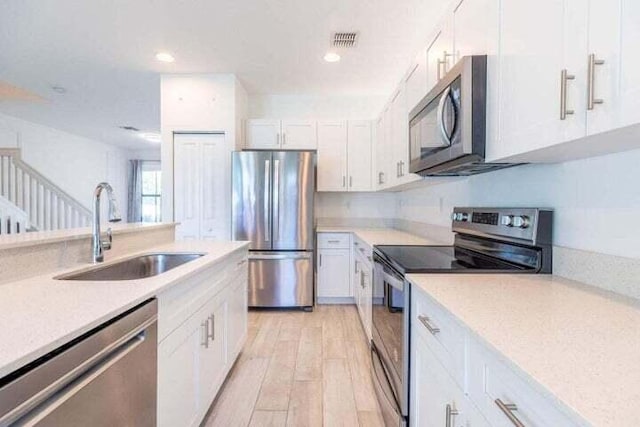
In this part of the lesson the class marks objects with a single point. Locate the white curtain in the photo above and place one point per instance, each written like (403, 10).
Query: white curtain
(134, 211)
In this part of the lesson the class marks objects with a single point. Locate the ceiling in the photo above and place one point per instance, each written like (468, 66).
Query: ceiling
(102, 53)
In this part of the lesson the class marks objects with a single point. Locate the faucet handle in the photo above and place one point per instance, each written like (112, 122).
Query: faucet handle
(106, 244)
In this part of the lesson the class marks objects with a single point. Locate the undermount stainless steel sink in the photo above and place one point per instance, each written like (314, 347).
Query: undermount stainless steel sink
(139, 267)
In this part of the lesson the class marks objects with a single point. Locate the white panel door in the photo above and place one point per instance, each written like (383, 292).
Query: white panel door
(359, 147)
(215, 167)
(440, 54)
(333, 273)
(417, 80)
(473, 23)
(381, 151)
(186, 175)
(263, 134)
(629, 98)
(530, 67)
(332, 156)
(299, 135)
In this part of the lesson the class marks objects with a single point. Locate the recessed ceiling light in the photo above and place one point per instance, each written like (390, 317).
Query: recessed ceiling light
(332, 57)
(165, 57)
(151, 137)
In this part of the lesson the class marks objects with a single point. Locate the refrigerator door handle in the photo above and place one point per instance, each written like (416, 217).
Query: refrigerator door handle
(267, 184)
(276, 200)
(286, 255)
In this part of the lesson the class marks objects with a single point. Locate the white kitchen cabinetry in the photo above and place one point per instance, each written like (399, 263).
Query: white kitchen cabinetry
(382, 150)
(359, 155)
(453, 372)
(333, 275)
(345, 156)
(266, 134)
(474, 27)
(436, 400)
(629, 61)
(440, 53)
(201, 329)
(201, 186)
(416, 81)
(362, 282)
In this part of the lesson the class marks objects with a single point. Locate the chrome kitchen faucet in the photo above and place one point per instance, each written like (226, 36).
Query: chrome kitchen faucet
(99, 245)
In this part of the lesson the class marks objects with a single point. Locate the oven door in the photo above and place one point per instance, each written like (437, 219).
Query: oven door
(391, 338)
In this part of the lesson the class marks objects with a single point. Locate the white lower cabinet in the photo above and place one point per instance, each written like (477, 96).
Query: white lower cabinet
(457, 381)
(362, 282)
(436, 400)
(333, 273)
(196, 355)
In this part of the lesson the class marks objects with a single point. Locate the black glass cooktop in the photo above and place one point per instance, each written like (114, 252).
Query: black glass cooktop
(442, 259)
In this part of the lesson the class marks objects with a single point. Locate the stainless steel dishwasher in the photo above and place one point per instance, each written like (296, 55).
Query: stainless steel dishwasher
(107, 377)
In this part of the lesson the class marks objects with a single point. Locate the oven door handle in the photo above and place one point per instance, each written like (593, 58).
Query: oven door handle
(442, 104)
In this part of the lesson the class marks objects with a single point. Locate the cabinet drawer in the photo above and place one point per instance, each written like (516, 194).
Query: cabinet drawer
(178, 303)
(333, 240)
(363, 249)
(444, 336)
(494, 388)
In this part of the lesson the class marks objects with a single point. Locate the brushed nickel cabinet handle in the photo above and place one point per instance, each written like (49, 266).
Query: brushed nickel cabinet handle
(212, 332)
(205, 330)
(449, 414)
(333, 241)
(284, 138)
(508, 409)
(320, 261)
(591, 81)
(350, 181)
(344, 181)
(564, 78)
(427, 324)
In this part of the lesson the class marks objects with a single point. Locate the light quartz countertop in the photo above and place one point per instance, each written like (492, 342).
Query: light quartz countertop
(576, 344)
(381, 236)
(39, 314)
(9, 241)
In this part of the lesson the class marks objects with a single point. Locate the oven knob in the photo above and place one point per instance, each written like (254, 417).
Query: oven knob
(454, 216)
(521, 221)
(507, 220)
(463, 216)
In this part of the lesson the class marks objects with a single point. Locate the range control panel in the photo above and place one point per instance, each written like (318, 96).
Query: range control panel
(530, 225)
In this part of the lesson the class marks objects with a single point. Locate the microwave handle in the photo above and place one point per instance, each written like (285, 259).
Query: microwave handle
(441, 106)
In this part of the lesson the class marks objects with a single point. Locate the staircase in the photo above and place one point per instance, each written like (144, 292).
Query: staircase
(29, 201)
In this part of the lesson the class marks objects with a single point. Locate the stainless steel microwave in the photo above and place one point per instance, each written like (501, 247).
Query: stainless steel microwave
(447, 129)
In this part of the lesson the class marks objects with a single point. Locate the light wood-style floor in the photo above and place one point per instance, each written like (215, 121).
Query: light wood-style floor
(300, 369)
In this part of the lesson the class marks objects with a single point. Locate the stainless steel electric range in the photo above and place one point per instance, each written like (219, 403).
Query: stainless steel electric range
(487, 240)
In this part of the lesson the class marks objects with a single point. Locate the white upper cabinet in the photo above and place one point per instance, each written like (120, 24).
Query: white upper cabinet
(345, 155)
(299, 135)
(381, 152)
(263, 134)
(613, 74)
(629, 61)
(540, 76)
(332, 156)
(266, 134)
(359, 155)
(416, 81)
(440, 53)
(473, 27)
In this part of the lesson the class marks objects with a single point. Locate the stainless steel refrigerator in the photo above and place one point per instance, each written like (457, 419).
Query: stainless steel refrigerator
(272, 207)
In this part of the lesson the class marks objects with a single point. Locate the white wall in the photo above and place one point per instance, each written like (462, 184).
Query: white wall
(596, 201)
(197, 103)
(152, 154)
(355, 205)
(76, 164)
(315, 107)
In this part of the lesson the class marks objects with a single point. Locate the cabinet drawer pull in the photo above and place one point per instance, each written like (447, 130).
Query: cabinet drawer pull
(320, 261)
(427, 324)
(344, 181)
(449, 414)
(508, 409)
(205, 330)
(212, 332)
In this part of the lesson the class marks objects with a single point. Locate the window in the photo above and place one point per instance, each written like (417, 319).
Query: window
(151, 192)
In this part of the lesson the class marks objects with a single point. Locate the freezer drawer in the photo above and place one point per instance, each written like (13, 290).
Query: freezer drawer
(281, 279)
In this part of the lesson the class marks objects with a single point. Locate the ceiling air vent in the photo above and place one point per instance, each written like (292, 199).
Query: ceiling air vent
(344, 39)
